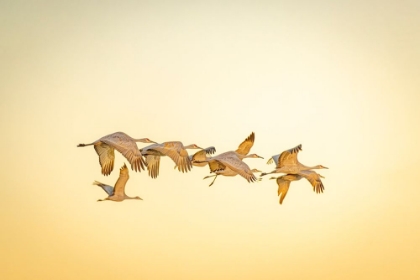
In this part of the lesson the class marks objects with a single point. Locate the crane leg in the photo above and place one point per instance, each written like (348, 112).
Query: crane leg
(213, 181)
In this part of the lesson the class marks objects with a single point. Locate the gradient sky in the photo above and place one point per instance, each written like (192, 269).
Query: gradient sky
(339, 77)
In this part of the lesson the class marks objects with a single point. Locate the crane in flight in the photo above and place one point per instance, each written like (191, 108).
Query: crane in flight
(230, 163)
(284, 181)
(173, 149)
(117, 193)
(124, 144)
(287, 162)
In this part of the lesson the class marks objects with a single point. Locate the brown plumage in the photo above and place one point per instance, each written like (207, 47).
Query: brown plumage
(246, 145)
(229, 163)
(117, 193)
(173, 149)
(288, 163)
(124, 144)
(197, 158)
(284, 181)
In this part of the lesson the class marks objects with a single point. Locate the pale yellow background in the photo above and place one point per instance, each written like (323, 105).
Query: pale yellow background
(340, 77)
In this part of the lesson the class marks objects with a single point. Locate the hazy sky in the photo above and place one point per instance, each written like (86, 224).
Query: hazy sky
(339, 77)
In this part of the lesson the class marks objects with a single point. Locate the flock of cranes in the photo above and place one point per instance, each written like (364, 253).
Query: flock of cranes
(227, 164)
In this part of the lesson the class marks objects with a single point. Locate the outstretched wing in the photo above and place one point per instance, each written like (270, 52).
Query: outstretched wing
(108, 189)
(199, 156)
(153, 163)
(210, 150)
(289, 157)
(176, 151)
(106, 157)
(314, 179)
(274, 159)
(246, 145)
(216, 165)
(240, 167)
(119, 188)
(127, 147)
(283, 188)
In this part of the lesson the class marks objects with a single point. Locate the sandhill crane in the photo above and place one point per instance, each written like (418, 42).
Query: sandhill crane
(288, 163)
(284, 181)
(124, 144)
(232, 161)
(228, 172)
(229, 163)
(173, 149)
(117, 193)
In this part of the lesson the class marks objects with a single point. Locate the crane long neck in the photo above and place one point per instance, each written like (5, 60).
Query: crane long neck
(304, 167)
(133, 197)
(241, 156)
(248, 156)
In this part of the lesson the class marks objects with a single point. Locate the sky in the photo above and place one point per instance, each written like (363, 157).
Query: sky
(338, 77)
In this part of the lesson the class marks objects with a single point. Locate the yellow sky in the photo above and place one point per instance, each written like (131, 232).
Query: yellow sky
(339, 77)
